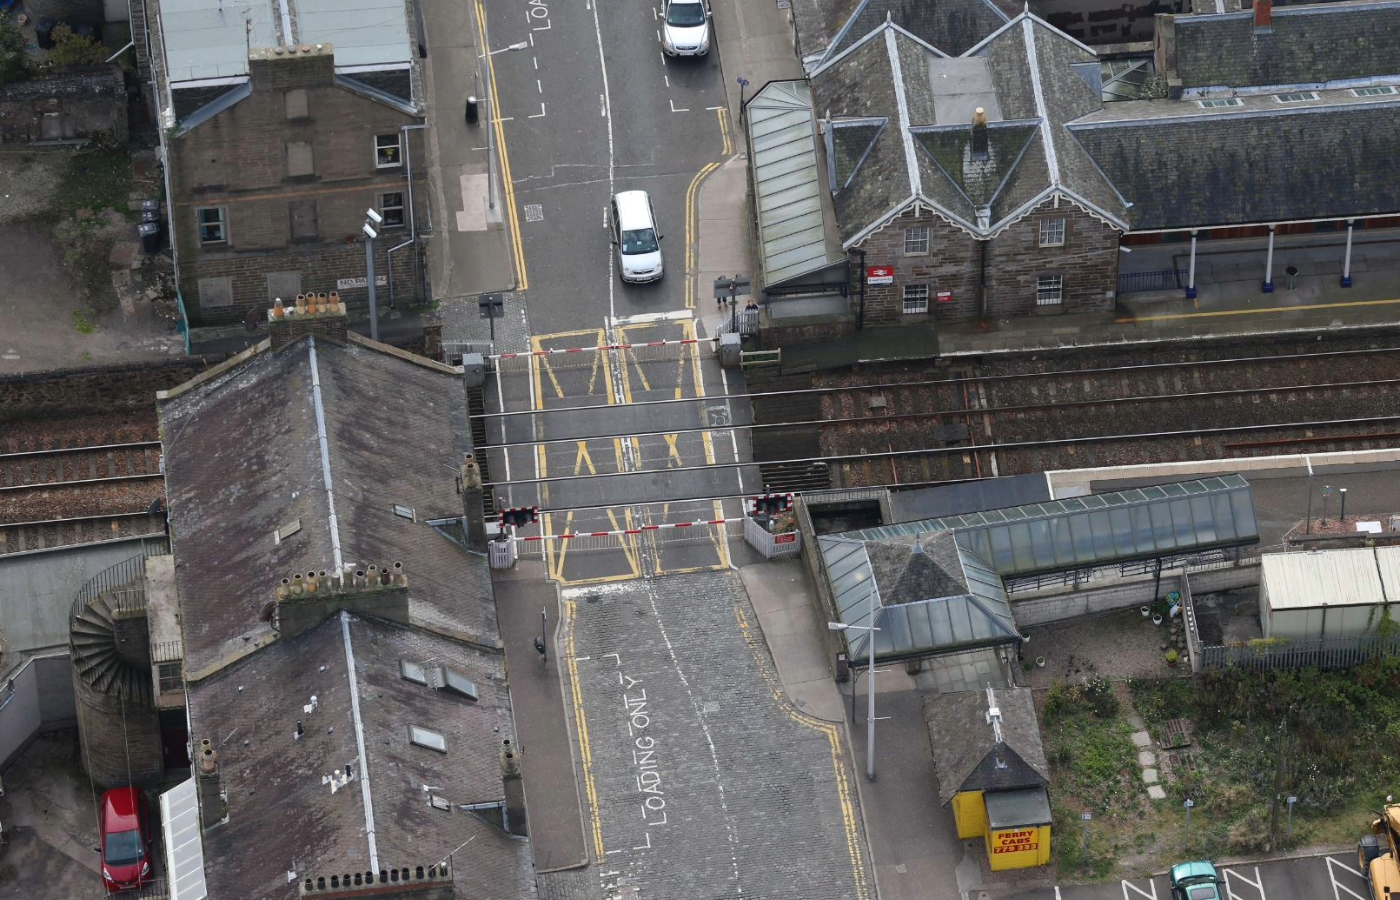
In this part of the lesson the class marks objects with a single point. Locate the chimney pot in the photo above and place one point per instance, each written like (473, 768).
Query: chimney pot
(979, 134)
(297, 587)
(384, 575)
(278, 311)
(301, 303)
(359, 578)
(311, 583)
(1263, 15)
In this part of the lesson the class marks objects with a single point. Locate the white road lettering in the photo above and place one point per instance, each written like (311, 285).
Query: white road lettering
(645, 758)
(538, 15)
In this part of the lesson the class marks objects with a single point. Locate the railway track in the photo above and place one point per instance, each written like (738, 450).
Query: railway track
(31, 469)
(21, 537)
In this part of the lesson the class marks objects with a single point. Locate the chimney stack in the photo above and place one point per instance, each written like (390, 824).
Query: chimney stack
(209, 785)
(1263, 15)
(473, 508)
(514, 789)
(979, 134)
(320, 314)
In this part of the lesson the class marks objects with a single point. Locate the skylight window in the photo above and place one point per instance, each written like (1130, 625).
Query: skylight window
(456, 683)
(412, 672)
(1220, 102)
(431, 740)
(406, 512)
(1296, 97)
(1379, 90)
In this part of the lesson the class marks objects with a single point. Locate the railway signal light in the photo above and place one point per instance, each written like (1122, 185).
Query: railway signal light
(771, 504)
(520, 516)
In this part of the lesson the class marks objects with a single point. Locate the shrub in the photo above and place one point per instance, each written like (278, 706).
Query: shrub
(75, 49)
(14, 61)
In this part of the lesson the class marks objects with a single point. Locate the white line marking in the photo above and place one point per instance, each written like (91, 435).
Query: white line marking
(540, 115)
(713, 108)
(616, 657)
(1338, 888)
(582, 658)
(539, 87)
(1138, 890)
(670, 316)
(532, 40)
(1257, 885)
(668, 80)
(612, 158)
(547, 27)
(658, 35)
(602, 105)
(536, 61)
(506, 119)
(673, 107)
(611, 852)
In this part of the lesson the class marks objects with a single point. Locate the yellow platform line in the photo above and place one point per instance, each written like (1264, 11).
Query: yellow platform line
(1253, 312)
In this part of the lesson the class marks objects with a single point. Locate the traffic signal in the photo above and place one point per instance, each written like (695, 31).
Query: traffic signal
(520, 516)
(771, 504)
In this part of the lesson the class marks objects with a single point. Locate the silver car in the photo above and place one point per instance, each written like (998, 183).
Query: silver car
(685, 29)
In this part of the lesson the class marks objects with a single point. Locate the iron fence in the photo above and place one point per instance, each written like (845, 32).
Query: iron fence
(453, 351)
(1145, 282)
(1280, 653)
(743, 321)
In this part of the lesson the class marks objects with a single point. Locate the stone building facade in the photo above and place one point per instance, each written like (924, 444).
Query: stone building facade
(271, 184)
(942, 277)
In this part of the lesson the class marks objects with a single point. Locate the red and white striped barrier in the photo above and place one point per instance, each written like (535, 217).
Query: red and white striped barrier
(569, 535)
(561, 350)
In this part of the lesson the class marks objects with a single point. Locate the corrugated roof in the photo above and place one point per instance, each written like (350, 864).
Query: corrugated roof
(207, 39)
(787, 181)
(1099, 529)
(1361, 577)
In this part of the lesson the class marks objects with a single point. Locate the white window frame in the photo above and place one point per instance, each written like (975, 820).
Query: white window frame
(222, 224)
(1296, 97)
(426, 738)
(1376, 90)
(1219, 102)
(384, 207)
(1050, 290)
(381, 143)
(918, 234)
(1048, 229)
(918, 294)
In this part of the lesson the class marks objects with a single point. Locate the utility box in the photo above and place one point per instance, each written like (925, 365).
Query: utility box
(502, 553)
(731, 347)
(474, 369)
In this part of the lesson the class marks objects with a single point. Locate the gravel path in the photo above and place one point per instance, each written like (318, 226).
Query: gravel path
(1120, 645)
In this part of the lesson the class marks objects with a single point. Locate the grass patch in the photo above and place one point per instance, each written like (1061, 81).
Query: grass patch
(82, 323)
(97, 178)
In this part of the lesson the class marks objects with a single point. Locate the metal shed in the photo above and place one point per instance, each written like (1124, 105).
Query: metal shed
(1328, 593)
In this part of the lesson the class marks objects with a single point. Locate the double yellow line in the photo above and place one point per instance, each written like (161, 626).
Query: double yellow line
(692, 224)
(522, 280)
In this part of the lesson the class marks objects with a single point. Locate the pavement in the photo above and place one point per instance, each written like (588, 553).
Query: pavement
(552, 806)
(1300, 878)
(48, 825)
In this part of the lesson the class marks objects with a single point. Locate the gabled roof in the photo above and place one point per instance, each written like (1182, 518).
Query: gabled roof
(930, 596)
(1226, 168)
(1303, 45)
(952, 26)
(966, 753)
(248, 451)
(1030, 79)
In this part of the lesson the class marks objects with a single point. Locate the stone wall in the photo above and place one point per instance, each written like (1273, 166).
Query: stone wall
(72, 103)
(292, 168)
(1123, 593)
(97, 389)
(1088, 262)
(120, 742)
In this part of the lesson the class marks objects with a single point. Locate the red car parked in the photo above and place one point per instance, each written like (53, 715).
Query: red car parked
(126, 840)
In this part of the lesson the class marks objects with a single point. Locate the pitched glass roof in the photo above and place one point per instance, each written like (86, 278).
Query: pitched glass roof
(981, 617)
(1100, 529)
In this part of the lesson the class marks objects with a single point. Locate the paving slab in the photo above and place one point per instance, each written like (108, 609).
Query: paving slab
(1146, 758)
(1156, 792)
(1141, 739)
(1149, 776)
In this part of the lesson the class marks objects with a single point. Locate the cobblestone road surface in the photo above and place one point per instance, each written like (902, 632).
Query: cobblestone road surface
(700, 780)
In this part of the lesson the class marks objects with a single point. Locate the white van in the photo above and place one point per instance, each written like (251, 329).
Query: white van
(635, 236)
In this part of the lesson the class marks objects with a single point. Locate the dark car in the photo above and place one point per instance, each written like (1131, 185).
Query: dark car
(126, 840)
(1195, 881)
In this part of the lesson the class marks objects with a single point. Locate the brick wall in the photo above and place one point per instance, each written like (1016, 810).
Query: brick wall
(98, 389)
(1088, 262)
(120, 742)
(243, 161)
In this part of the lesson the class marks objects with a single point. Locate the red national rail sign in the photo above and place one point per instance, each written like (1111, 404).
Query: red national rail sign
(879, 275)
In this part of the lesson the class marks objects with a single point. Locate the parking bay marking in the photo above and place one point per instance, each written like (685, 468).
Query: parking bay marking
(1127, 885)
(1337, 887)
(1257, 884)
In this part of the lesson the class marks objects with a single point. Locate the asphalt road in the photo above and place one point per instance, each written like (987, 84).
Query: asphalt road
(1310, 878)
(590, 106)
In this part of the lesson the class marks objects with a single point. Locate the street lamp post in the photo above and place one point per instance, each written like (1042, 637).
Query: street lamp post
(491, 118)
(869, 685)
(372, 222)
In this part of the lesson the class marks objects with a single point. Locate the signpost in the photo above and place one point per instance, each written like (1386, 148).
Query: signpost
(879, 275)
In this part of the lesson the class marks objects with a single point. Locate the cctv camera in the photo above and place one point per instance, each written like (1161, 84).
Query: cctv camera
(374, 217)
(370, 232)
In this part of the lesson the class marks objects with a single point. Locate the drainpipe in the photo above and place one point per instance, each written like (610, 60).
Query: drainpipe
(1191, 275)
(412, 215)
(860, 274)
(1268, 285)
(1346, 265)
(390, 258)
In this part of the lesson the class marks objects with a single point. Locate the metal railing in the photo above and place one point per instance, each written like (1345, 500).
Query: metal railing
(167, 651)
(453, 351)
(743, 321)
(119, 575)
(156, 889)
(1281, 653)
(1145, 282)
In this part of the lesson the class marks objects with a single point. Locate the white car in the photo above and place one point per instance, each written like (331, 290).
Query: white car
(635, 236)
(685, 29)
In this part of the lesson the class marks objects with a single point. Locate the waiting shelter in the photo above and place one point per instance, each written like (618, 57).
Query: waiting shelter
(991, 768)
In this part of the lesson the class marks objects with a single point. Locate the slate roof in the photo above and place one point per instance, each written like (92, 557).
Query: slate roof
(282, 818)
(1304, 45)
(966, 755)
(909, 569)
(1228, 168)
(243, 459)
(1033, 79)
(952, 26)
